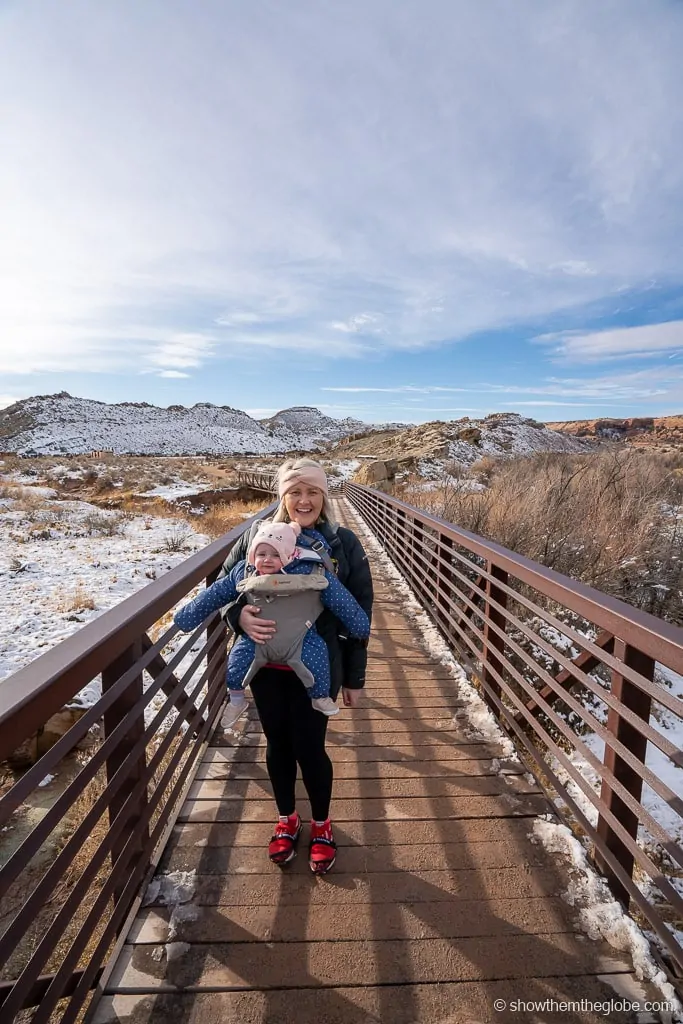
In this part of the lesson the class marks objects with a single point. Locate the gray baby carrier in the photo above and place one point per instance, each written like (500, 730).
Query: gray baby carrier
(294, 603)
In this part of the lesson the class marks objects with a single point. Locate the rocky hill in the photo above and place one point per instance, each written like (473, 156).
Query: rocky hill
(304, 426)
(63, 425)
(501, 435)
(641, 430)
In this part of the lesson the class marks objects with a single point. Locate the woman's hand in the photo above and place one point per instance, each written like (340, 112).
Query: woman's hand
(258, 629)
(351, 697)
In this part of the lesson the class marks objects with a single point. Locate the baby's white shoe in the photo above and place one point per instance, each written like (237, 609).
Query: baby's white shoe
(325, 705)
(235, 709)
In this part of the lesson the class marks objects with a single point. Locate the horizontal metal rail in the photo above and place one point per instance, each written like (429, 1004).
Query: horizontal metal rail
(265, 482)
(538, 642)
(68, 887)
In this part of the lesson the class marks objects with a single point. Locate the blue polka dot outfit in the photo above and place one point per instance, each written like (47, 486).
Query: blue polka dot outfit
(314, 653)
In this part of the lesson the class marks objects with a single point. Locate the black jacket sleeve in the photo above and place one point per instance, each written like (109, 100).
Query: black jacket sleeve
(359, 582)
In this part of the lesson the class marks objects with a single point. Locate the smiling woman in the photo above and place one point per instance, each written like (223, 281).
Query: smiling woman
(295, 732)
(302, 486)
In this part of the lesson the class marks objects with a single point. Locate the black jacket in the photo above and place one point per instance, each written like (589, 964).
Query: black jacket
(348, 656)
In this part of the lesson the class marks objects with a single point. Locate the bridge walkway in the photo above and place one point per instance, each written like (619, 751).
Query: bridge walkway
(439, 905)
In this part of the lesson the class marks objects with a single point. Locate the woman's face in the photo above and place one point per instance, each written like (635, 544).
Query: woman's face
(304, 504)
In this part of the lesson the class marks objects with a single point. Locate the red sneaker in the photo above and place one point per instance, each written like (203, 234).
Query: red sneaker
(282, 846)
(322, 851)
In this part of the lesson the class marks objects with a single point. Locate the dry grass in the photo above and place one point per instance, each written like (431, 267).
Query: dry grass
(607, 519)
(76, 600)
(221, 518)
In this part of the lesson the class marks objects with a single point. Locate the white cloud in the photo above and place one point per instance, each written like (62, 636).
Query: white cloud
(616, 343)
(175, 374)
(181, 351)
(398, 389)
(643, 384)
(469, 170)
(362, 323)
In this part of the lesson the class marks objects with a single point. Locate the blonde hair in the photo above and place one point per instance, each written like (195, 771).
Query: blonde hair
(281, 515)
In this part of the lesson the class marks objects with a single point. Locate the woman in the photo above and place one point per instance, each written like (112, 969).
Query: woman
(295, 732)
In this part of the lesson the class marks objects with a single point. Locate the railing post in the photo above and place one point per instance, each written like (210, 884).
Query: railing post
(112, 717)
(400, 537)
(494, 644)
(640, 703)
(443, 583)
(216, 638)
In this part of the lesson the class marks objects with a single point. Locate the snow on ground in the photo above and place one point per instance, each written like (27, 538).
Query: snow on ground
(60, 568)
(178, 489)
(670, 726)
(600, 915)
(344, 469)
(509, 436)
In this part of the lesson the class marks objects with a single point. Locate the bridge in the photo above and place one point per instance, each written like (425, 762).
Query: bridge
(143, 893)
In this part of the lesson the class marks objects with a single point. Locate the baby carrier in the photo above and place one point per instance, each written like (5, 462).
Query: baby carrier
(294, 603)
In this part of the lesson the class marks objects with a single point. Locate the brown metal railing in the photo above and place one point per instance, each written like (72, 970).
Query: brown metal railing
(257, 481)
(538, 643)
(70, 885)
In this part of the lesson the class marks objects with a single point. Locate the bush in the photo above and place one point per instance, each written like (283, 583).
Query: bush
(104, 525)
(76, 600)
(177, 540)
(607, 519)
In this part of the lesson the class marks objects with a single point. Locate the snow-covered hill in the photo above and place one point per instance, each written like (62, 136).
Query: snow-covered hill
(304, 426)
(63, 425)
(501, 436)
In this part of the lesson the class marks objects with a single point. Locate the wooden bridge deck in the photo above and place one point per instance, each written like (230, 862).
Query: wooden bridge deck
(438, 906)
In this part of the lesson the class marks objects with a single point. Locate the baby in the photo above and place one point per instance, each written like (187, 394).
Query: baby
(295, 586)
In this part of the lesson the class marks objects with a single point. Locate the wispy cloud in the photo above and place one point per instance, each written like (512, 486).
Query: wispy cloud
(654, 382)
(198, 174)
(398, 389)
(181, 351)
(622, 343)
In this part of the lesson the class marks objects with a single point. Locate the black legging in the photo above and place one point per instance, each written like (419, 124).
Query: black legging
(295, 732)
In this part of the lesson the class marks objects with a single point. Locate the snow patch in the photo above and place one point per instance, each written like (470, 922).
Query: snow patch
(599, 914)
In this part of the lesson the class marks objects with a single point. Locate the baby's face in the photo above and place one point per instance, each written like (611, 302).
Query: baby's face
(266, 560)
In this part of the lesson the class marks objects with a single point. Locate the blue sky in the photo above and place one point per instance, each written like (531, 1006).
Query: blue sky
(391, 210)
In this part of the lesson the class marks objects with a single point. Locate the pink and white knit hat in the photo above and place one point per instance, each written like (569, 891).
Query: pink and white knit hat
(281, 536)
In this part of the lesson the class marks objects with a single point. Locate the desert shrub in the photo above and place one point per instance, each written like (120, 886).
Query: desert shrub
(177, 539)
(483, 469)
(105, 482)
(76, 600)
(104, 525)
(608, 519)
(39, 531)
(221, 518)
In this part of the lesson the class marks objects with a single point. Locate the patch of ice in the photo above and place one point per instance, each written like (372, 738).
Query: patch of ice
(599, 914)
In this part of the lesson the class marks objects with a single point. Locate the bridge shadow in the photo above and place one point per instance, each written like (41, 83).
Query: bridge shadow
(399, 990)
